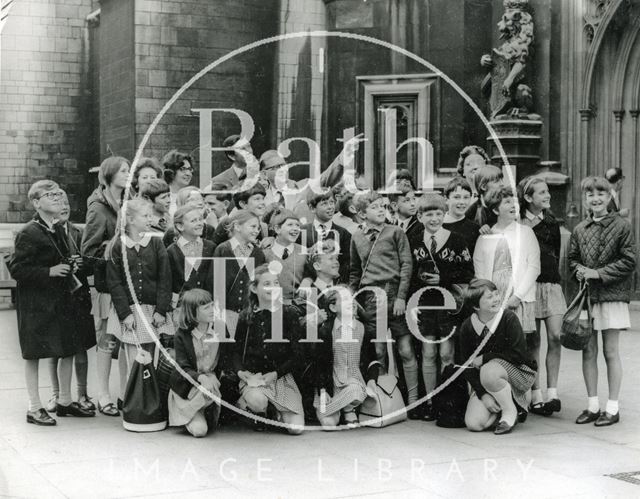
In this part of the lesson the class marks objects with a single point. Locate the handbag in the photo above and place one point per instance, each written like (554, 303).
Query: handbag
(384, 405)
(142, 408)
(577, 322)
(450, 403)
(164, 367)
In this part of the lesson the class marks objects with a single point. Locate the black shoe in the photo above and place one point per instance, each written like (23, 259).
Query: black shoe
(429, 413)
(503, 427)
(553, 405)
(607, 419)
(73, 409)
(522, 415)
(413, 413)
(119, 404)
(540, 409)
(40, 418)
(587, 417)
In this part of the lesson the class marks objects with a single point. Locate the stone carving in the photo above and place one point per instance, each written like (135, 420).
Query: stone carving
(592, 20)
(508, 96)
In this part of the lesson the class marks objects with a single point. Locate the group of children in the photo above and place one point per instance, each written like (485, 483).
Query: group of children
(464, 277)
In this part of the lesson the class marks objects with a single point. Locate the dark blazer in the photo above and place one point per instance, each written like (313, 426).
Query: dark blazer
(228, 177)
(52, 321)
(309, 237)
(237, 279)
(150, 273)
(414, 229)
(202, 278)
(171, 236)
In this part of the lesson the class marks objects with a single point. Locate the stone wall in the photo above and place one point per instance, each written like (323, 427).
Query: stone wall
(42, 103)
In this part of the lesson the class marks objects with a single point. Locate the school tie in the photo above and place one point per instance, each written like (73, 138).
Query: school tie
(372, 235)
(285, 254)
(323, 232)
(485, 333)
(434, 246)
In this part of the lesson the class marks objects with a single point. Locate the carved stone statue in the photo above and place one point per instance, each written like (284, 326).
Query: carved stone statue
(508, 97)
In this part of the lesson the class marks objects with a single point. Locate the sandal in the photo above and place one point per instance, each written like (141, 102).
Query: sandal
(109, 409)
(86, 403)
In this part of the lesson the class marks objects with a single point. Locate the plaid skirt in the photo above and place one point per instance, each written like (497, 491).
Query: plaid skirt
(141, 331)
(521, 379)
(284, 394)
(182, 411)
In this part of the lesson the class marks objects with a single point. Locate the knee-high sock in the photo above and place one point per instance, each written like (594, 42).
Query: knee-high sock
(509, 411)
(410, 369)
(52, 364)
(31, 378)
(429, 375)
(65, 371)
(81, 363)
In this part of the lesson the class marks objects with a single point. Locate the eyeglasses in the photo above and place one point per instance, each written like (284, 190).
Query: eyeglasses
(53, 195)
(186, 168)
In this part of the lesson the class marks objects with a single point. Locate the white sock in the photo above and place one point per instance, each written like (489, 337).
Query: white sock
(536, 396)
(552, 393)
(594, 404)
(612, 407)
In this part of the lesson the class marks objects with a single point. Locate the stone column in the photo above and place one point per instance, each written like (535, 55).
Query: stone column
(583, 168)
(617, 143)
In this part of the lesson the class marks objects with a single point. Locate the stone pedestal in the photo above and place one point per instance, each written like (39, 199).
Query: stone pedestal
(521, 141)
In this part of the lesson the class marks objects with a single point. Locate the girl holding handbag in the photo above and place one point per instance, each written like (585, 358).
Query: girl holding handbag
(602, 251)
(140, 286)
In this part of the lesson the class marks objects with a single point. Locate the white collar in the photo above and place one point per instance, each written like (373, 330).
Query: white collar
(597, 219)
(448, 219)
(441, 236)
(278, 249)
(239, 171)
(532, 217)
(317, 224)
(321, 284)
(196, 333)
(182, 242)
(478, 325)
(235, 243)
(130, 243)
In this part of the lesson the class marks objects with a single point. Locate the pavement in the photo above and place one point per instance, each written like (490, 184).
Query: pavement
(545, 457)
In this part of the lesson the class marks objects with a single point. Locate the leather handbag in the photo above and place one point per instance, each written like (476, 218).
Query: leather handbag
(577, 323)
(384, 405)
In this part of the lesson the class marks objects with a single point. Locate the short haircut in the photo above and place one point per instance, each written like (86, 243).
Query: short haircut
(172, 162)
(468, 151)
(154, 188)
(431, 202)
(477, 287)
(591, 184)
(316, 198)
(244, 195)
(182, 211)
(238, 218)
(345, 202)
(219, 190)
(362, 200)
(146, 163)
(456, 182)
(402, 174)
(494, 197)
(320, 249)
(109, 168)
(190, 301)
(229, 142)
(281, 215)
(485, 175)
(403, 191)
(39, 187)
(613, 175)
(182, 197)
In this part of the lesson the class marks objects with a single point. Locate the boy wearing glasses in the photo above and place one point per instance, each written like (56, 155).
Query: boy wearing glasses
(48, 312)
